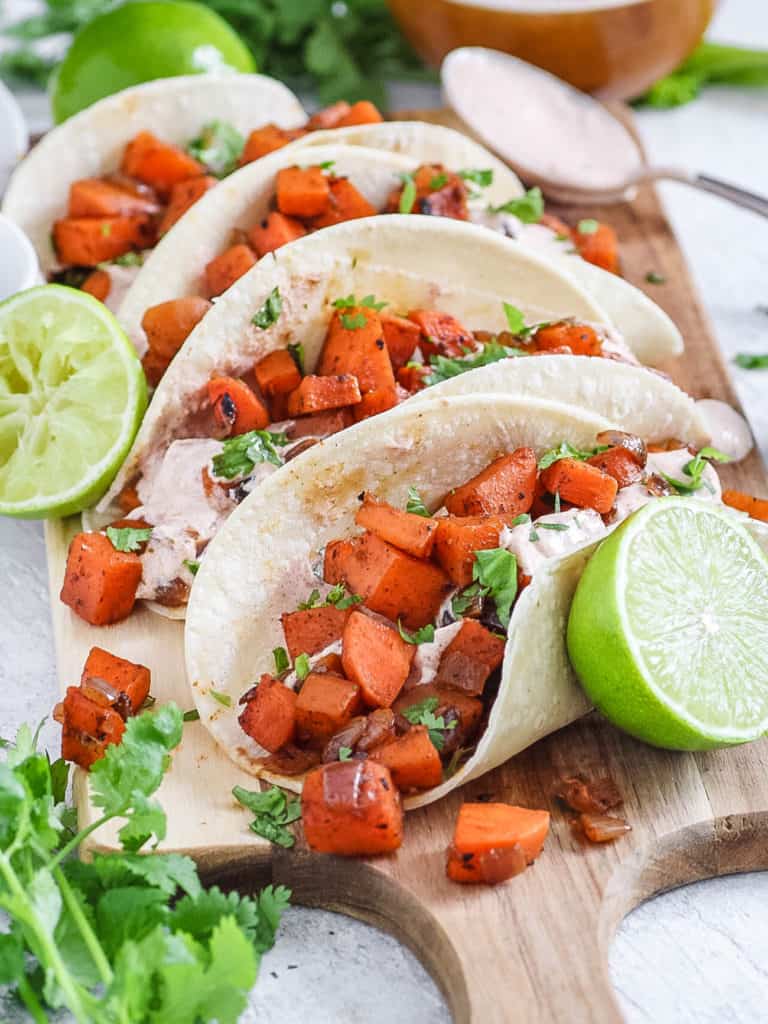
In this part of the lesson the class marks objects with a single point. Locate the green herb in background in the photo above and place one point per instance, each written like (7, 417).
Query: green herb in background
(343, 50)
(709, 64)
(751, 361)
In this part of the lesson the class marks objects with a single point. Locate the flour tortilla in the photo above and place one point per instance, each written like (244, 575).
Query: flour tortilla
(92, 142)
(261, 564)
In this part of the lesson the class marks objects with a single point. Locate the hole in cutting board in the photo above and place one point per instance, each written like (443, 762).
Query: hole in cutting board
(695, 955)
(326, 967)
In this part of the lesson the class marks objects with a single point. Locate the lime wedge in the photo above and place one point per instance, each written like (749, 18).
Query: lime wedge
(72, 394)
(668, 629)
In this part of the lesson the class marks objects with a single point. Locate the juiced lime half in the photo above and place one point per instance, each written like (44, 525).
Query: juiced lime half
(72, 394)
(668, 629)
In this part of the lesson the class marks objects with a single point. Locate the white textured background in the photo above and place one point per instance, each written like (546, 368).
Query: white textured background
(695, 956)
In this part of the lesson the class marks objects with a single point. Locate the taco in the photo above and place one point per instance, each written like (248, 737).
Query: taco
(408, 168)
(332, 330)
(98, 191)
(400, 593)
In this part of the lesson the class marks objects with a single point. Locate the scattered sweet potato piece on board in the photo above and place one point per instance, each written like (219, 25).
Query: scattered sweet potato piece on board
(122, 675)
(485, 837)
(87, 728)
(100, 582)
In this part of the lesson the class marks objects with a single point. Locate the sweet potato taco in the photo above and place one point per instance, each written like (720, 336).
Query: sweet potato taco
(397, 167)
(401, 591)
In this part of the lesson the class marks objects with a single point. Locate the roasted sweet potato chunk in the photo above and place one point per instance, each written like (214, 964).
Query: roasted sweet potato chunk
(401, 336)
(98, 284)
(346, 203)
(274, 232)
(167, 326)
(100, 582)
(619, 463)
(376, 657)
(408, 532)
(413, 760)
(86, 241)
(122, 675)
(235, 407)
(310, 630)
(184, 195)
(157, 163)
(355, 344)
(227, 268)
(87, 728)
(269, 716)
(302, 192)
(579, 338)
(506, 486)
(94, 197)
(486, 835)
(317, 394)
(325, 703)
(322, 424)
(441, 333)
(277, 373)
(458, 538)
(470, 658)
(267, 140)
(581, 484)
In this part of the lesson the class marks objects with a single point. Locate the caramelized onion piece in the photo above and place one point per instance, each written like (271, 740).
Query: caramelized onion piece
(600, 828)
(290, 760)
(658, 486)
(594, 797)
(346, 737)
(631, 442)
(362, 734)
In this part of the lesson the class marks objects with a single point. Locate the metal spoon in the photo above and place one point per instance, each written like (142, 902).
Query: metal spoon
(556, 137)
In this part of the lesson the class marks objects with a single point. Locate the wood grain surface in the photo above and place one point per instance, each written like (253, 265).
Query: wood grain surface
(535, 948)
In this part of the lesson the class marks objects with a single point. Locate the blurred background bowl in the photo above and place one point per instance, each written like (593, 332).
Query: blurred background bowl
(14, 138)
(614, 48)
(18, 263)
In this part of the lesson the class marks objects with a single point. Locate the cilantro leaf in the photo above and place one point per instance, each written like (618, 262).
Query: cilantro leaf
(338, 597)
(282, 663)
(565, 450)
(193, 565)
(301, 666)
(408, 195)
(313, 601)
(444, 368)
(367, 302)
(272, 812)
(423, 714)
(527, 208)
(345, 753)
(415, 505)
(353, 322)
(240, 454)
(219, 146)
(269, 313)
(466, 598)
(425, 635)
(481, 178)
(587, 226)
(654, 278)
(221, 698)
(515, 318)
(496, 570)
(694, 470)
(296, 352)
(436, 183)
(750, 361)
(128, 538)
(191, 716)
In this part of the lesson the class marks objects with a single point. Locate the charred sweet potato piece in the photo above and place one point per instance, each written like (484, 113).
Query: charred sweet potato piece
(86, 241)
(376, 657)
(459, 537)
(375, 402)
(484, 833)
(168, 325)
(98, 284)
(227, 268)
(390, 582)
(322, 424)
(235, 407)
(581, 484)
(87, 728)
(450, 704)
(470, 658)
(157, 163)
(362, 735)
(122, 675)
(317, 394)
(266, 140)
(362, 112)
(441, 333)
(505, 487)
(619, 463)
(408, 532)
(579, 338)
(352, 808)
(94, 197)
(184, 195)
(355, 344)
(100, 582)
(346, 203)
(325, 703)
(756, 508)
(401, 336)
(310, 630)
(269, 716)
(274, 232)
(413, 760)
(277, 373)
(302, 192)
(600, 247)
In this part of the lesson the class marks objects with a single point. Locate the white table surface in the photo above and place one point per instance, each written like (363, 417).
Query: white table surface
(699, 954)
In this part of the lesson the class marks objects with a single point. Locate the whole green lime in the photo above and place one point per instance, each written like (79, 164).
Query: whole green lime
(139, 41)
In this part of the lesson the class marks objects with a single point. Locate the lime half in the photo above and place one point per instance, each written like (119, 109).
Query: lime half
(668, 629)
(72, 394)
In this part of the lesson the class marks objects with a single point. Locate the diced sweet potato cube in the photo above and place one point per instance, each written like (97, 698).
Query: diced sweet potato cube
(581, 484)
(322, 424)
(184, 195)
(100, 582)
(401, 336)
(355, 344)
(235, 407)
(375, 402)
(408, 532)
(337, 554)
(98, 284)
(310, 630)
(600, 247)
(619, 463)
(506, 486)
(376, 657)
(352, 808)
(86, 241)
(486, 828)
(468, 710)
(441, 333)
(227, 268)
(316, 394)
(580, 339)
(277, 373)
(346, 203)
(88, 728)
(470, 658)
(266, 140)
(274, 232)
(413, 378)
(94, 197)
(390, 582)
(362, 112)
(269, 716)
(302, 192)
(169, 324)
(328, 117)
(756, 508)
(413, 760)
(122, 675)
(325, 703)
(459, 537)
(157, 163)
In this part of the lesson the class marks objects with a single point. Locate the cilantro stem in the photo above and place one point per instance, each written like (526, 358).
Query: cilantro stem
(31, 1001)
(94, 946)
(77, 839)
(68, 985)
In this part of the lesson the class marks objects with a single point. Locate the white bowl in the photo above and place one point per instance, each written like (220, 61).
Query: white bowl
(18, 262)
(14, 137)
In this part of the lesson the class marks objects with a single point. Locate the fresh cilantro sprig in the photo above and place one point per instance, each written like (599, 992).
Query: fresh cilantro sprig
(496, 571)
(750, 361)
(481, 178)
(437, 182)
(444, 368)
(415, 505)
(128, 538)
(272, 812)
(336, 596)
(269, 312)
(587, 226)
(408, 195)
(353, 321)
(282, 662)
(425, 635)
(423, 714)
(296, 352)
(218, 147)
(241, 454)
(123, 936)
(694, 470)
(565, 450)
(528, 208)
(710, 63)
(350, 302)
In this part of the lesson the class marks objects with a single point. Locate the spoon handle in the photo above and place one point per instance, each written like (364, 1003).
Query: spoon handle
(740, 196)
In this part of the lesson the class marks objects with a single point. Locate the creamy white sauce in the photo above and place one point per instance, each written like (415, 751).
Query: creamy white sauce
(176, 492)
(164, 557)
(427, 659)
(292, 680)
(538, 123)
(534, 543)
(728, 430)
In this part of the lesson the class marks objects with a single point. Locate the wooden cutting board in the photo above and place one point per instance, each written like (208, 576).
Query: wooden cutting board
(535, 948)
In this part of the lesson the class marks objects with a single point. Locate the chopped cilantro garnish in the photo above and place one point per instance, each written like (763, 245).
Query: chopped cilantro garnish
(192, 565)
(415, 505)
(694, 470)
(240, 454)
(345, 753)
(191, 716)
(496, 570)
(466, 598)
(272, 811)
(552, 526)
(588, 226)
(443, 368)
(338, 597)
(567, 451)
(515, 318)
(128, 538)
(268, 314)
(653, 278)
(281, 660)
(313, 601)
(557, 501)
(533, 536)
(219, 146)
(353, 321)
(296, 352)
(481, 178)
(423, 714)
(222, 698)
(301, 666)
(437, 182)
(326, 165)
(425, 635)
(367, 301)
(528, 208)
(408, 195)
(748, 361)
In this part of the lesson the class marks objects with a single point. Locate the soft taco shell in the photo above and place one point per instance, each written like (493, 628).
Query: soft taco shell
(91, 143)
